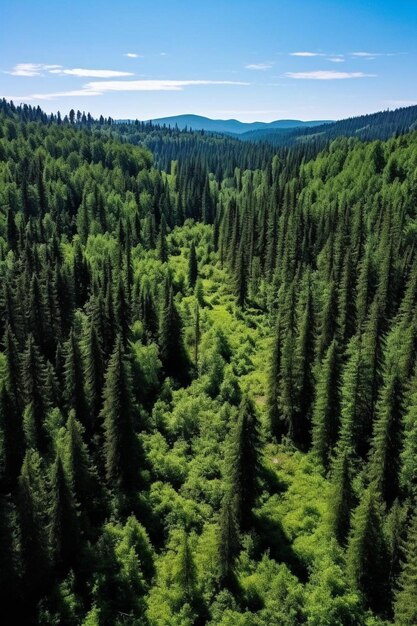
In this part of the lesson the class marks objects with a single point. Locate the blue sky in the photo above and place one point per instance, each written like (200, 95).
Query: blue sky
(246, 59)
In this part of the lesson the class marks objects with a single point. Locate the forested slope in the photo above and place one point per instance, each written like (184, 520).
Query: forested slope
(208, 387)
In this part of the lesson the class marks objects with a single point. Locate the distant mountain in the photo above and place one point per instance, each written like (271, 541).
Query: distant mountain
(381, 125)
(198, 122)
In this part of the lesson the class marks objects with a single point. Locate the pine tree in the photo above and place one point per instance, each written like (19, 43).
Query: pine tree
(74, 380)
(228, 540)
(243, 462)
(173, 356)
(241, 276)
(274, 411)
(120, 445)
(10, 581)
(355, 430)
(304, 356)
(12, 441)
(367, 553)
(326, 406)
(93, 376)
(341, 497)
(405, 599)
(64, 532)
(12, 373)
(162, 241)
(192, 266)
(80, 474)
(387, 439)
(186, 574)
(35, 393)
(408, 476)
(32, 511)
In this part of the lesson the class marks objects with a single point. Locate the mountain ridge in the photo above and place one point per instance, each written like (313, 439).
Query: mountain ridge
(230, 126)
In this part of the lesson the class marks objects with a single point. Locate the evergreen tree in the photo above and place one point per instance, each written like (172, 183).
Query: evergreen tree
(341, 497)
(35, 394)
(243, 462)
(162, 241)
(32, 511)
(186, 573)
(192, 266)
(74, 380)
(172, 351)
(64, 533)
(405, 599)
(367, 554)
(326, 406)
(93, 375)
(120, 445)
(228, 540)
(386, 445)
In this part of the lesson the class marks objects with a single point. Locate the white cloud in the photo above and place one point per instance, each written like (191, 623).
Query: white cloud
(52, 96)
(153, 85)
(306, 54)
(326, 75)
(133, 55)
(39, 69)
(336, 58)
(259, 66)
(31, 69)
(370, 56)
(98, 88)
(85, 73)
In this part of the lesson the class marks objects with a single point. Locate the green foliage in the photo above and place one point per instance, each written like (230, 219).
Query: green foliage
(159, 329)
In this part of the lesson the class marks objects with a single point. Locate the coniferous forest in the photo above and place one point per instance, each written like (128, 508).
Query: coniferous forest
(208, 377)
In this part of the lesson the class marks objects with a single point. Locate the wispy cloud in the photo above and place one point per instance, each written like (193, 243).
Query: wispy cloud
(52, 96)
(154, 85)
(98, 88)
(326, 75)
(259, 66)
(31, 69)
(40, 69)
(370, 56)
(307, 54)
(336, 58)
(86, 73)
(133, 55)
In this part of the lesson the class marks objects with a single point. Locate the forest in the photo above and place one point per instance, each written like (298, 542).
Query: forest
(208, 377)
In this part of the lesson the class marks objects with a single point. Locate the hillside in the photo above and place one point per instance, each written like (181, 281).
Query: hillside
(208, 392)
(380, 125)
(235, 127)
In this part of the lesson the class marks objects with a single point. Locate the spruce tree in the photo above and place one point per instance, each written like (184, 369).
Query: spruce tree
(228, 540)
(35, 393)
(32, 512)
(74, 380)
(341, 497)
(367, 553)
(64, 532)
(243, 462)
(120, 444)
(192, 266)
(405, 606)
(387, 439)
(326, 405)
(186, 574)
(93, 376)
(172, 352)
